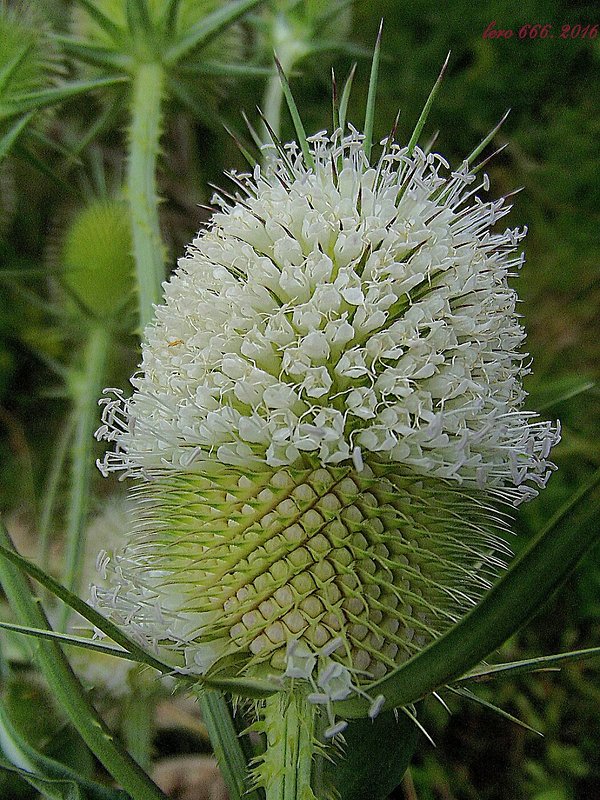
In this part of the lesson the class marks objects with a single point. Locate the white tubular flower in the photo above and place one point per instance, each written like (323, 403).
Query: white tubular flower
(328, 399)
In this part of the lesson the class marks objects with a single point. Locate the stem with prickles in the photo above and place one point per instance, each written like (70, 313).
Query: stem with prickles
(287, 765)
(144, 148)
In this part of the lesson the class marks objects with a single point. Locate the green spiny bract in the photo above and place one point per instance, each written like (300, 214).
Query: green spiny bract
(385, 560)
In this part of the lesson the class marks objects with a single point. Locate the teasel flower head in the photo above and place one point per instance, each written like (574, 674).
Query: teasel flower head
(327, 417)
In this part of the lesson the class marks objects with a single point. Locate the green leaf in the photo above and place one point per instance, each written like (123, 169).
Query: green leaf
(101, 19)
(12, 134)
(138, 17)
(209, 27)
(426, 109)
(376, 756)
(65, 638)
(95, 54)
(345, 98)
(20, 104)
(13, 64)
(245, 687)
(170, 11)
(43, 167)
(528, 665)
(49, 788)
(243, 150)
(484, 143)
(181, 92)
(50, 777)
(496, 709)
(222, 69)
(370, 111)
(519, 594)
(293, 109)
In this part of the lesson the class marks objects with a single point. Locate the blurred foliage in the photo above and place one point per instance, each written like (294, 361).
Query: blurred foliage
(552, 86)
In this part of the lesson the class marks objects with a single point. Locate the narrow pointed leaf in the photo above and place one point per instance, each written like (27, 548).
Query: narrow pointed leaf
(345, 98)
(49, 788)
(426, 109)
(487, 160)
(243, 150)
(169, 15)
(251, 130)
(20, 104)
(51, 486)
(496, 709)
(138, 17)
(131, 650)
(484, 143)
(246, 687)
(204, 30)
(94, 54)
(293, 109)
(517, 596)
(106, 118)
(529, 665)
(370, 112)
(222, 69)
(65, 638)
(101, 19)
(26, 154)
(82, 608)
(188, 100)
(12, 134)
(559, 391)
(13, 64)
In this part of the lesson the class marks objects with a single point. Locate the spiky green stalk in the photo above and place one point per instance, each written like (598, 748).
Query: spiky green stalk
(144, 148)
(285, 769)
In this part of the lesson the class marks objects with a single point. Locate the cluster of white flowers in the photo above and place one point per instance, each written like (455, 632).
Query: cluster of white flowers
(340, 313)
(333, 680)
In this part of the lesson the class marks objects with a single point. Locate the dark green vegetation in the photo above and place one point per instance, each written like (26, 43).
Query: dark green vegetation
(61, 164)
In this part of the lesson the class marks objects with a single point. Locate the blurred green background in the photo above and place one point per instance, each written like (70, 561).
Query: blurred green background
(552, 86)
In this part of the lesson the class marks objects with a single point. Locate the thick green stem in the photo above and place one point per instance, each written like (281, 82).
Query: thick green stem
(287, 766)
(86, 390)
(69, 692)
(144, 137)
